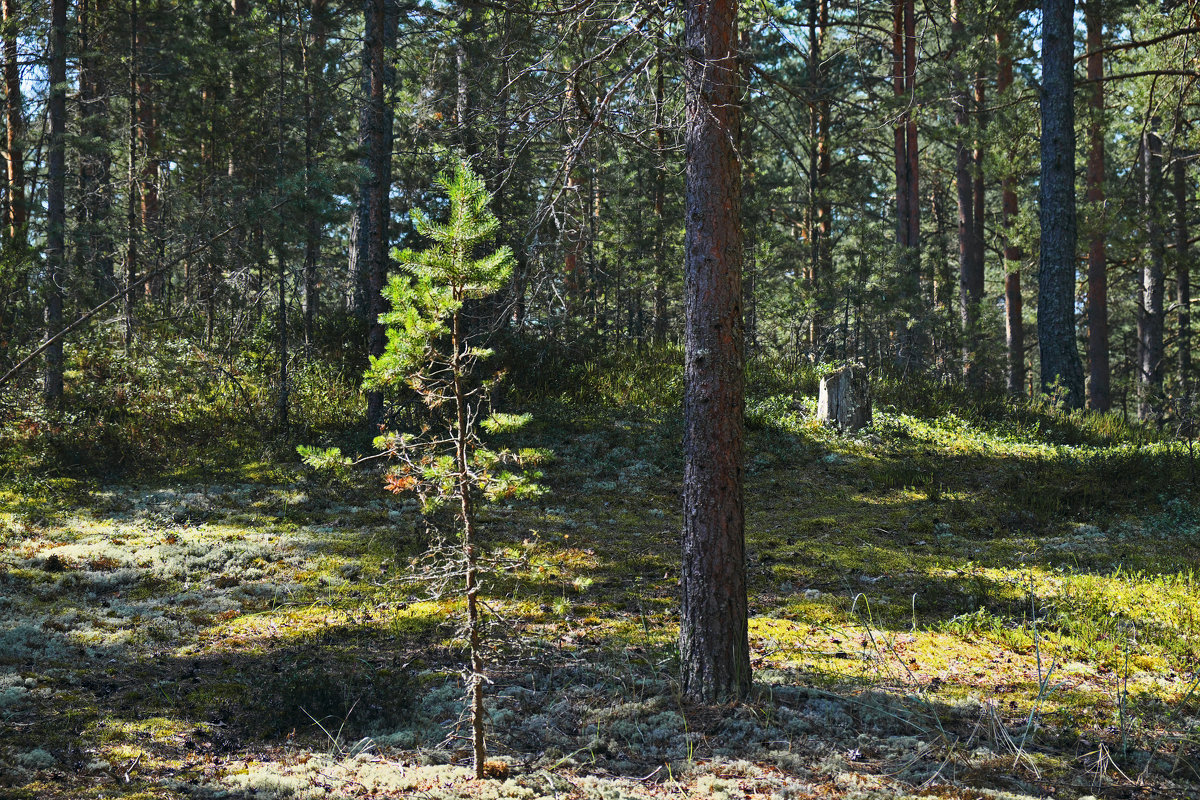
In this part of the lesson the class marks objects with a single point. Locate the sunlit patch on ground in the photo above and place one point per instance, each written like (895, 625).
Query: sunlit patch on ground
(934, 613)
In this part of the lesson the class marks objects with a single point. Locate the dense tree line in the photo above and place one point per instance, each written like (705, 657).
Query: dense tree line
(871, 183)
(135, 134)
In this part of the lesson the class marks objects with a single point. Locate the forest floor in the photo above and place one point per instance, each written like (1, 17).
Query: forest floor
(941, 606)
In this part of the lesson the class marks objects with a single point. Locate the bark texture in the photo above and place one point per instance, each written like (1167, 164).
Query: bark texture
(1099, 397)
(908, 195)
(844, 400)
(131, 229)
(56, 198)
(1150, 313)
(1183, 265)
(369, 230)
(970, 267)
(95, 156)
(662, 272)
(1056, 279)
(714, 642)
(16, 212)
(1014, 322)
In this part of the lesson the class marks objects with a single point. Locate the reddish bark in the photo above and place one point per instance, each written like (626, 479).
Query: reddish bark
(16, 213)
(714, 642)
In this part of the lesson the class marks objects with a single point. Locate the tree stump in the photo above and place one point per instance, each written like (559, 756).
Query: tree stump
(845, 399)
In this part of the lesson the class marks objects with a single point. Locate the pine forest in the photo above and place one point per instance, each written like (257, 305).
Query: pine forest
(599, 399)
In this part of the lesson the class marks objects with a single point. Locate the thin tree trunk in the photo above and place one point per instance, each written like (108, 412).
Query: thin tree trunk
(899, 130)
(824, 160)
(369, 258)
(1056, 278)
(661, 269)
(466, 509)
(131, 231)
(815, 276)
(714, 641)
(749, 175)
(970, 273)
(281, 406)
(1014, 322)
(1097, 309)
(95, 166)
(148, 147)
(913, 183)
(978, 232)
(313, 109)
(1150, 318)
(466, 59)
(56, 199)
(16, 212)
(1183, 264)
(908, 216)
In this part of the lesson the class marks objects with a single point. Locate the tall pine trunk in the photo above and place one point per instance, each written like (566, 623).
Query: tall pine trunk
(312, 49)
(749, 175)
(131, 229)
(662, 272)
(908, 202)
(1056, 278)
(1014, 322)
(95, 157)
(147, 129)
(970, 270)
(978, 234)
(714, 640)
(1099, 398)
(1183, 264)
(56, 199)
(1150, 313)
(16, 213)
(369, 233)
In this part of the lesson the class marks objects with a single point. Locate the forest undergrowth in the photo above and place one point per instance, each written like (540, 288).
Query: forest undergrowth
(967, 599)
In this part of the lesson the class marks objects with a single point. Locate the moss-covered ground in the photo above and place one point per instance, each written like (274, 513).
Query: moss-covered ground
(964, 600)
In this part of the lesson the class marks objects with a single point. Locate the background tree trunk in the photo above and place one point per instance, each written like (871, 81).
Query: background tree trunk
(1098, 365)
(95, 157)
(1014, 322)
(370, 240)
(970, 271)
(56, 199)
(131, 230)
(662, 272)
(1056, 279)
(16, 213)
(714, 641)
(1183, 265)
(1150, 316)
(908, 196)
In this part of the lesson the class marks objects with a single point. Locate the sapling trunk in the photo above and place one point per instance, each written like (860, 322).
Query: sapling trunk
(461, 434)
(427, 298)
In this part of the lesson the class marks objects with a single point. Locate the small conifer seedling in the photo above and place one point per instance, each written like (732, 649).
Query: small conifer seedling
(429, 351)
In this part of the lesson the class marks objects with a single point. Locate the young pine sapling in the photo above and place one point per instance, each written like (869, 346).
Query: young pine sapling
(448, 464)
